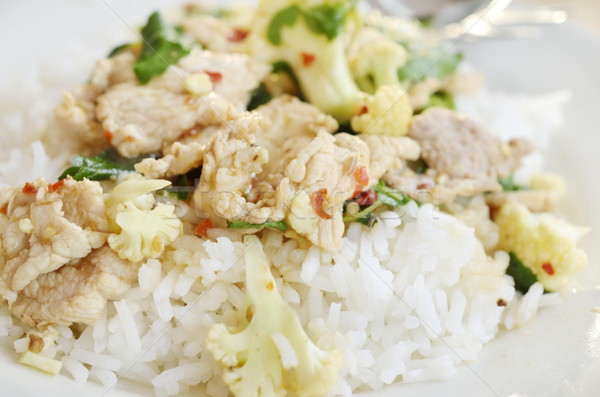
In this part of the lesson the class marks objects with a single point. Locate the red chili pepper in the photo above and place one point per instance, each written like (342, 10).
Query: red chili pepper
(548, 268)
(366, 198)
(237, 35)
(56, 186)
(28, 188)
(363, 110)
(361, 176)
(215, 77)
(317, 201)
(307, 59)
(108, 136)
(501, 302)
(203, 228)
(4, 209)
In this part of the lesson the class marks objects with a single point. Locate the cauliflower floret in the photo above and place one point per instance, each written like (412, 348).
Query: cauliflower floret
(375, 59)
(144, 233)
(388, 112)
(133, 188)
(138, 230)
(543, 242)
(271, 354)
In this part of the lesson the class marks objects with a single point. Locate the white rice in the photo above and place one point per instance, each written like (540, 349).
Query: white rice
(406, 301)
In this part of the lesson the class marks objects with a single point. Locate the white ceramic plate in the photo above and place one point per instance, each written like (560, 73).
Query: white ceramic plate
(557, 354)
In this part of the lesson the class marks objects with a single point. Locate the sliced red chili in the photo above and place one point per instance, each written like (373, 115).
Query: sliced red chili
(4, 209)
(56, 186)
(108, 136)
(366, 198)
(28, 188)
(363, 110)
(203, 228)
(548, 268)
(318, 200)
(501, 302)
(215, 77)
(307, 59)
(237, 35)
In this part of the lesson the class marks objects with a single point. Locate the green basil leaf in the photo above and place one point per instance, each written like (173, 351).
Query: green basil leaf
(524, 277)
(281, 225)
(508, 184)
(285, 17)
(103, 166)
(259, 97)
(436, 63)
(441, 99)
(159, 50)
(119, 49)
(392, 197)
(327, 19)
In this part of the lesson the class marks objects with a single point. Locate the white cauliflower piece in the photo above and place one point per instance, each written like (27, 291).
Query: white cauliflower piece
(133, 188)
(388, 112)
(542, 242)
(271, 354)
(144, 233)
(375, 59)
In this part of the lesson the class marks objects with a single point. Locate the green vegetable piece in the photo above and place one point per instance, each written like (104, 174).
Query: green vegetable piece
(286, 17)
(259, 97)
(385, 196)
(281, 225)
(159, 51)
(523, 276)
(508, 184)
(328, 19)
(392, 197)
(103, 166)
(442, 99)
(119, 49)
(436, 63)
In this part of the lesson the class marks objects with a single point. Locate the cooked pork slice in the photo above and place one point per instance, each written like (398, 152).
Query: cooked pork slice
(47, 227)
(77, 292)
(215, 34)
(286, 117)
(231, 161)
(463, 159)
(179, 160)
(141, 118)
(455, 146)
(76, 115)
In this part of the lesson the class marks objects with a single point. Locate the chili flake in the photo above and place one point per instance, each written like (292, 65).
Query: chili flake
(56, 186)
(317, 201)
(203, 228)
(548, 268)
(501, 302)
(237, 35)
(108, 136)
(307, 59)
(215, 77)
(28, 188)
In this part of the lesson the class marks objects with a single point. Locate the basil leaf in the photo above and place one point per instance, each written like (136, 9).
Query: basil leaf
(327, 19)
(118, 49)
(285, 17)
(508, 184)
(103, 166)
(392, 197)
(435, 63)
(281, 225)
(259, 97)
(159, 50)
(441, 99)
(523, 276)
